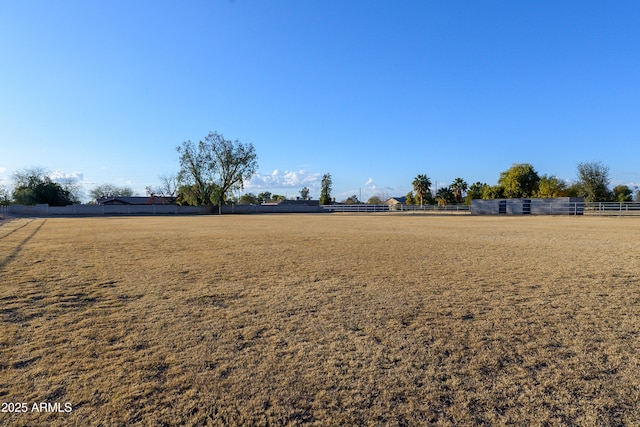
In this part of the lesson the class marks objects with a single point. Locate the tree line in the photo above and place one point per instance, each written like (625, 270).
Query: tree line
(521, 180)
(214, 168)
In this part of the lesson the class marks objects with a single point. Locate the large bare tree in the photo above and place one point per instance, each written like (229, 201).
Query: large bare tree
(213, 168)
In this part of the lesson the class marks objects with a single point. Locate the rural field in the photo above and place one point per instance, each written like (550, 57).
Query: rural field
(326, 319)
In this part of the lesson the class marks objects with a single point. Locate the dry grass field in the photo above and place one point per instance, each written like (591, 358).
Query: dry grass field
(321, 320)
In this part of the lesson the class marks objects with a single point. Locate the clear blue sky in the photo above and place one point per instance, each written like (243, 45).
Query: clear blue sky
(374, 92)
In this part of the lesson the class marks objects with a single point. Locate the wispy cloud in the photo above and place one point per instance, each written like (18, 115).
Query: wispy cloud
(73, 177)
(374, 189)
(371, 188)
(628, 178)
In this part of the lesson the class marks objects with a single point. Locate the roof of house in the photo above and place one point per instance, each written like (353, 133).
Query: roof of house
(146, 200)
(402, 199)
(300, 202)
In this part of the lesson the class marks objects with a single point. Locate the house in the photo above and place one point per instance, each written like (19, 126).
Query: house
(395, 203)
(147, 200)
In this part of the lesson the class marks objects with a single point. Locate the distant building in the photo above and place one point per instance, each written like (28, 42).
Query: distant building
(148, 200)
(394, 203)
(532, 206)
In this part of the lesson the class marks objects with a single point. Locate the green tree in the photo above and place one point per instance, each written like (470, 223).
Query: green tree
(475, 192)
(622, 193)
(215, 167)
(445, 196)
(104, 191)
(71, 185)
(196, 176)
(249, 199)
(325, 189)
(34, 186)
(492, 191)
(422, 187)
(520, 180)
(374, 200)
(593, 180)
(5, 197)
(264, 197)
(194, 195)
(550, 186)
(573, 190)
(304, 193)
(458, 186)
(410, 200)
(352, 200)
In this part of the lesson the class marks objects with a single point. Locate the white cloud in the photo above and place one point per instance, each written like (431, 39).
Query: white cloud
(374, 189)
(369, 189)
(286, 179)
(74, 181)
(73, 177)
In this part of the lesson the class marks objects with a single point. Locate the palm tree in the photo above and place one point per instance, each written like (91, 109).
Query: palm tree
(445, 196)
(422, 186)
(458, 186)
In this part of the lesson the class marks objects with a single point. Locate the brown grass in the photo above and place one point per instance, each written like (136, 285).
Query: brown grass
(322, 320)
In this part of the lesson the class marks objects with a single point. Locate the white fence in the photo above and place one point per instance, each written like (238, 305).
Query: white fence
(573, 208)
(270, 208)
(612, 208)
(451, 209)
(355, 208)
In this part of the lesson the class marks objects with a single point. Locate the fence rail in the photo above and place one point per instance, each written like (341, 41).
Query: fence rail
(355, 208)
(572, 208)
(455, 208)
(612, 208)
(397, 208)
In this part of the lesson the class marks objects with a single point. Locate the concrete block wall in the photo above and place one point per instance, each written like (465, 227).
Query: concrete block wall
(96, 210)
(538, 206)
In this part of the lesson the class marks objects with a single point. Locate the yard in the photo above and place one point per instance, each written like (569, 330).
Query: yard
(326, 319)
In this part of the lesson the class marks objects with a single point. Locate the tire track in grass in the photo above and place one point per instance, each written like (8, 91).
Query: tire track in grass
(10, 257)
(15, 229)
